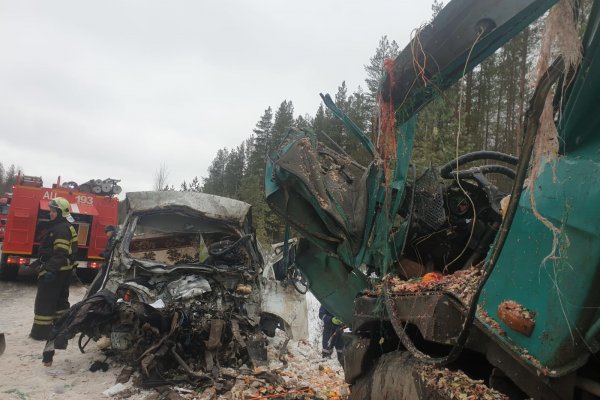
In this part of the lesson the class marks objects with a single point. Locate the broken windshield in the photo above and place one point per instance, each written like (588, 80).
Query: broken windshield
(173, 238)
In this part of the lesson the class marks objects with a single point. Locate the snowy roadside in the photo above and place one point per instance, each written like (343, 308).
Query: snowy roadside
(22, 375)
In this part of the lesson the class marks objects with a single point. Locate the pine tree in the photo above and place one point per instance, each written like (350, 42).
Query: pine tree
(2, 180)
(359, 111)
(10, 177)
(375, 70)
(436, 7)
(284, 119)
(233, 172)
(303, 121)
(319, 122)
(213, 184)
(338, 132)
(260, 143)
(252, 193)
(195, 186)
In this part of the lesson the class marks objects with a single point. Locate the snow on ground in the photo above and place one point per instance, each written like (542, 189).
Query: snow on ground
(22, 375)
(315, 325)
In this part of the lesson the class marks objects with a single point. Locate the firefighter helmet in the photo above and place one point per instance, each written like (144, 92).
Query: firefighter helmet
(63, 205)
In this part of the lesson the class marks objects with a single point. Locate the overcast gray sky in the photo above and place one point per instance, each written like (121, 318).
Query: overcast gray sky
(98, 89)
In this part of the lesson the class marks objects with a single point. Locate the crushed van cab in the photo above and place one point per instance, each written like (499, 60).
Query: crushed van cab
(182, 290)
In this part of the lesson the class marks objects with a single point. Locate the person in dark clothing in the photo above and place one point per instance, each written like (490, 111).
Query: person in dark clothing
(111, 233)
(56, 256)
(333, 328)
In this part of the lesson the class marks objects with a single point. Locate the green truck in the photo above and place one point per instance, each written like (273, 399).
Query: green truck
(500, 298)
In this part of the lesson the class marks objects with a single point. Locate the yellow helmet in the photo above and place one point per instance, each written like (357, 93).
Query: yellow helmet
(63, 205)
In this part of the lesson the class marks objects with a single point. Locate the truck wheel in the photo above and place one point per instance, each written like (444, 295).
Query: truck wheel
(8, 272)
(393, 376)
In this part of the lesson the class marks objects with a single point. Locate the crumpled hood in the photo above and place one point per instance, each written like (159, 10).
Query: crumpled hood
(215, 207)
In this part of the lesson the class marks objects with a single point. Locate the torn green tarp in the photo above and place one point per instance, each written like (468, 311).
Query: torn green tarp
(323, 194)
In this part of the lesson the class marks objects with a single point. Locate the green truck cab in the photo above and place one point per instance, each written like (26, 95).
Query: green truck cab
(517, 305)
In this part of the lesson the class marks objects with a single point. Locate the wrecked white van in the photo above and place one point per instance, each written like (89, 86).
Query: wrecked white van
(183, 291)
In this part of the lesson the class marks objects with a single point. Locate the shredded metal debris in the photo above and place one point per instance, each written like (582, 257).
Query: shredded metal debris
(305, 376)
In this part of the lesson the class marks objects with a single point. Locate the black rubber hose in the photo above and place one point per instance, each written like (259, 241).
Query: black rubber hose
(532, 122)
(476, 156)
(80, 343)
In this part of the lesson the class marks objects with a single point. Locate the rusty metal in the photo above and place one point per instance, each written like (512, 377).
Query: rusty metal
(235, 329)
(164, 338)
(356, 351)
(216, 331)
(437, 316)
(516, 317)
(187, 368)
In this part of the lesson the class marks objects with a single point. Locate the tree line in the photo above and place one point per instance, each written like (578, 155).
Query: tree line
(487, 105)
(8, 177)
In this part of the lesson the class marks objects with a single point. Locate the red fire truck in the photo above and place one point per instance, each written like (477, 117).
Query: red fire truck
(28, 217)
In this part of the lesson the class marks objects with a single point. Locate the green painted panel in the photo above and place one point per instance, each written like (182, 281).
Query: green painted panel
(332, 282)
(561, 291)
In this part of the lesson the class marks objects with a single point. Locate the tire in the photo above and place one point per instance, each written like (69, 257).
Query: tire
(300, 284)
(393, 376)
(8, 272)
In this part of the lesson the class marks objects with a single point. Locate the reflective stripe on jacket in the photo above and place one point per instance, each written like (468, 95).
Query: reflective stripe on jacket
(58, 248)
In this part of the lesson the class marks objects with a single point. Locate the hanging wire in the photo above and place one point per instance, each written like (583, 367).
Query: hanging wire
(458, 132)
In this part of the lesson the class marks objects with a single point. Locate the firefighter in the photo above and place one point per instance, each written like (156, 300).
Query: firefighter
(332, 334)
(58, 249)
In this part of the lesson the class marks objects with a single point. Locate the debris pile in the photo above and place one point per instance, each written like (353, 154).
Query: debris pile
(462, 284)
(194, 351)
(457, 385)
(300, 374)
